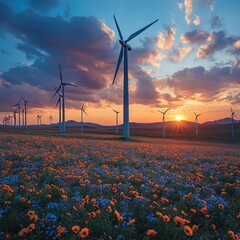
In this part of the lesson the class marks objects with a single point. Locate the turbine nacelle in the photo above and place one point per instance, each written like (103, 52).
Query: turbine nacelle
(126, 45)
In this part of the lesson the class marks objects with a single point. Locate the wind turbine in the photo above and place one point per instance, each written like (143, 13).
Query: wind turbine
(60, 109)
(19, 111)
(62, 85)
(232, 116)
(116, 120)
(196, 121)
(25, 111)
(163, 121)
(125, 47)
(14, 115)
(82, 111)
(50, 120)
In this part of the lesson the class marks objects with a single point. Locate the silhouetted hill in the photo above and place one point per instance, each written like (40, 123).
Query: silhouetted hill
(221, 121)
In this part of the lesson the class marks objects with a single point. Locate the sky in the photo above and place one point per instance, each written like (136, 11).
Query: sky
(189, 60)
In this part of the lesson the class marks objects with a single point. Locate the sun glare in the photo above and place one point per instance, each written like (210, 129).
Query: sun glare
(178, 118)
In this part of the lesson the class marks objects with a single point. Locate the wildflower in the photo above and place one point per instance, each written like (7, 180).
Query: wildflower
(159, 214)
(31, 227)
(204, 210)
(193, 210)
(74, 208)
(188, 231)
(23, 232)
(64, 197)
(108, 209)
(92, 214)
(120, 218)
(117, 214)
(61, 229)
(213, 226)
(166, 218)
(164, 200)
(49, 196)
(132, 221)
(180, 221)
(194, 228)
(183, 213)
(151, 232)
(221, 206)
(84, 233)
(175, 209)
(75, 229)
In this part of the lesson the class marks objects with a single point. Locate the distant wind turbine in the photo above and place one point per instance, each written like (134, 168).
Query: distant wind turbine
(82, 111)
(116, 120)
(25, 111)
(39, 119)
(14, 115)
(163, 121)
(62, 85)
(196, 121)
(50, 120)
(19, 112)
(125, 47)
(232, 116)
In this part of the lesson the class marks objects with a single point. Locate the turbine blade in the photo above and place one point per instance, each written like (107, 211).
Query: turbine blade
(84, 111)
(161, 112)
(57, 90)
(119, 31)
(83, 105)
(139, 31)
(166, 110)
(70, 84)
(118, 64)
(60, 72)
(59, 99)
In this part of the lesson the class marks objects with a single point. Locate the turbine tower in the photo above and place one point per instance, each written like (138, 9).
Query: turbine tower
(25, 111)
(232, 116)
(163, 121)
(116, 120)
(196, 121)
(14, 116)
(125, 47)
(60, 110)
(19, 112)
(62, 85)
(82, 111)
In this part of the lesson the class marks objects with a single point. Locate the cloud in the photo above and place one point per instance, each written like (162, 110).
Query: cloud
(216, 22)
(237, 44)
(180, 54)
(188, 11)
(86, 50)
(195, 37)
(166, 41)
(217, 42)
(180, 5)
(44, 5)
(201, 84)
(197, 21)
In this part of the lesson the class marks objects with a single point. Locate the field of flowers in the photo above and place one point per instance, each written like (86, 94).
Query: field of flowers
(72, 188)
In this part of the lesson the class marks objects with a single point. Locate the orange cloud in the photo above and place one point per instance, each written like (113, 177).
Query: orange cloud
(166, 41)
(237, 44)
(181, 54)
(197, 21)
(188, 11)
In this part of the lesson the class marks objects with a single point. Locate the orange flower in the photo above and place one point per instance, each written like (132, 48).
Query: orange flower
(220, 206)
(166, 218)
(117, 214)
(92, 214)
(193, 210)
(151, 232)
(84, 233)
(159, 214)
(75, 229)
(213, 226)
(132, 221)
(194, 228)
(120, 218)
(23, 232)
(188, 231)
(164, 200)
(183, 213)
(108, 209)
(61, 229)
(204, 210)
(49, 196)
(74, 208)
(31, 227)
(180, 221)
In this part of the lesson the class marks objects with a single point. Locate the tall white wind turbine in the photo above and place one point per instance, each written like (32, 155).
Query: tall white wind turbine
(116, 120)
(232, 117)
(163, 121)
(62, 85)
(82, 111)
(196, 121)
(125, 47)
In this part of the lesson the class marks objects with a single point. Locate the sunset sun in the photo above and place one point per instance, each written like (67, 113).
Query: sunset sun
(178, 118)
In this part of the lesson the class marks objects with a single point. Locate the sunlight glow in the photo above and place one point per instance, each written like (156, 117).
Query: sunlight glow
(178, 118)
